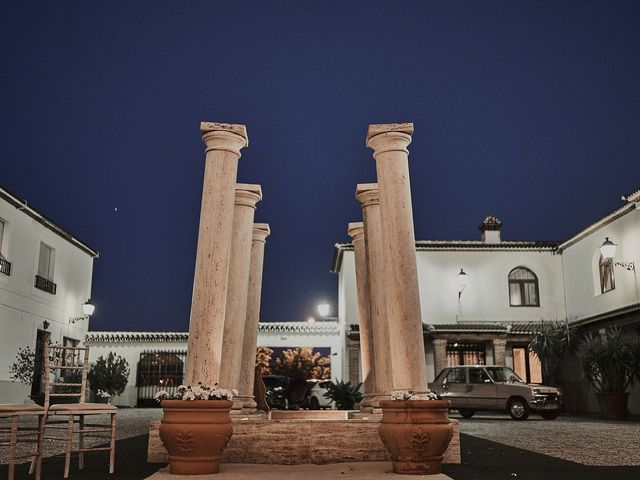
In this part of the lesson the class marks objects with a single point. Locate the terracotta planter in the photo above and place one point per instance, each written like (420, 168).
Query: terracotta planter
(614, 405)
(195, 433)
(416, 434)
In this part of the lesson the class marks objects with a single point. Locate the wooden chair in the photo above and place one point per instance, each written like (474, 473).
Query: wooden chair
(18, 432)
(73, 363)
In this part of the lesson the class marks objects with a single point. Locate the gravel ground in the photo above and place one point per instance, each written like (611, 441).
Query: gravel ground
(587, 441)
(130, 422)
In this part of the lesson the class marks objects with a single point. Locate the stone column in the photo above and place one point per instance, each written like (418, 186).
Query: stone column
(499, 346)
(356, 231)
(250, 343)
(389, 143)
(223, 143)
(440, 351)
(247, 196)
(369, 197)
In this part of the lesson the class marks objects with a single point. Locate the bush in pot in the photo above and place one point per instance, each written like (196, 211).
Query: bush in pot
(416, 430)
(195, 427)
(611, 362)
(344, 395)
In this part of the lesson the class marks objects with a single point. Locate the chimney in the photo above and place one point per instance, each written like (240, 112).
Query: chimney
(490, 228)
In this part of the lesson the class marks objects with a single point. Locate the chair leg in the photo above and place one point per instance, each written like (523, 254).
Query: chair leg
(112, 450)
(69, 446)
(80, 443)
(12, 446)
(36, 461)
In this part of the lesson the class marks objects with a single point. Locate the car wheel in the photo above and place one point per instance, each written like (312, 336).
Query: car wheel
(518, 409)
(549, 415)
(314, 404)
(466, 413)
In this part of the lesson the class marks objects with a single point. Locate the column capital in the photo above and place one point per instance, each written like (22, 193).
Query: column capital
(368, 194)
(260, 232)
(248, 195)
(224, 136)
(356, 230)
(389, 137)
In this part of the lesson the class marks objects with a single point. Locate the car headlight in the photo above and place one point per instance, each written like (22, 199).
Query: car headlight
(536, 391)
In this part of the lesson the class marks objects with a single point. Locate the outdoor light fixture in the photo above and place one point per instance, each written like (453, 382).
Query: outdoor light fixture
(87, 308)
(323, 308)
(311, 320)
(45, 325)
(608, 251)
(463, 281)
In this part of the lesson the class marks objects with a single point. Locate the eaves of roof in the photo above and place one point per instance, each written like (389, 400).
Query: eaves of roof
(22, 205)
(617, 312)
(134, 337)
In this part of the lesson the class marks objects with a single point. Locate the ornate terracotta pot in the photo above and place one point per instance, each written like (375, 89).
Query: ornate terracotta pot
(614, 406)
(416, 434)
(195, 432)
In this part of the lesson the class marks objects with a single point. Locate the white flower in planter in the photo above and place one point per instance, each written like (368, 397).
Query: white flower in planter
(409, 395)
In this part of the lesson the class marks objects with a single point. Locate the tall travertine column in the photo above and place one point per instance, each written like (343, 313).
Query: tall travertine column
(356, 232)
(369, 197)
(389, 143)
(260, 233)
(247, 196)
(223, 143)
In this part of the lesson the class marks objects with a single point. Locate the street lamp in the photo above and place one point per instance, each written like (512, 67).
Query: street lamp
(608, 251)
(323, 308)
(87, 308)
(463, 280)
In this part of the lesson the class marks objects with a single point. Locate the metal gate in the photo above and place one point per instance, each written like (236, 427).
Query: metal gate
(465, 354)
(159, 370)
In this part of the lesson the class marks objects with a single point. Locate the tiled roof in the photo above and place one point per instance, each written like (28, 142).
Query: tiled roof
(129, 337)
(634, 307)
(513, 328)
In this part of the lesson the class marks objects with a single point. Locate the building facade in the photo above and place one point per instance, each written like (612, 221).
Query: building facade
(481, 299)
(45, 278)
(157, 359)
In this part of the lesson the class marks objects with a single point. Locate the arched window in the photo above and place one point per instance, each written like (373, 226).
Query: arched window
(607, 280)
(523, 288)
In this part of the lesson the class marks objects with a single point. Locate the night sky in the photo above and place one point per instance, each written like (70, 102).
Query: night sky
(529, 110)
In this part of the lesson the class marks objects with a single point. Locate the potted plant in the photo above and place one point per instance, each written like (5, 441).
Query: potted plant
(108, 376)
(611, 362)
(195, 427)
(344, 395)
(416, 430)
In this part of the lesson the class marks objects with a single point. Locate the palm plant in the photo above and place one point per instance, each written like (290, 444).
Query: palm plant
(550, 342)
(610, 361)
(344, 395)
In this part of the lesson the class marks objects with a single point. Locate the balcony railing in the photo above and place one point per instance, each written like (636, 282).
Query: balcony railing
(5, 266)
(46, 285)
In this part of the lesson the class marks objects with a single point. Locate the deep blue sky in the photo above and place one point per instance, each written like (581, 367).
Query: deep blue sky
(529, 110)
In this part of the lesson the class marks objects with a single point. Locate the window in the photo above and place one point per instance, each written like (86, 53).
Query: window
(478, 375)
(523, 288)
(456, 375)
(45, 262)
(607, 280)
(5, 265)
(465, 354)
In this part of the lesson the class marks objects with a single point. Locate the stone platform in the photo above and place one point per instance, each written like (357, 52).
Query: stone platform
(302, 440)
(346, 471)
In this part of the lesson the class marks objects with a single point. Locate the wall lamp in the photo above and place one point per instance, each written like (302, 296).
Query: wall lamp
(608, 251)
(87, 308)
(324, 308)
(463, 281)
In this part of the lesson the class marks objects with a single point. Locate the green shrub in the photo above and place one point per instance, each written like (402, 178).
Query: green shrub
(344, 395)
(109, 375)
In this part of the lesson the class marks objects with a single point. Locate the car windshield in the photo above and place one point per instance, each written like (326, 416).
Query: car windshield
(503, 374)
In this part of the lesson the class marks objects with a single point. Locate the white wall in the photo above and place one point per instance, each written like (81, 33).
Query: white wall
(24, 308)
(582, 285)
(486, 298)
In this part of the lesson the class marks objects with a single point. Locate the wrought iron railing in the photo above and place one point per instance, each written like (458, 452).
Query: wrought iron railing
(159, 370)
(5, 266)
(46, 285)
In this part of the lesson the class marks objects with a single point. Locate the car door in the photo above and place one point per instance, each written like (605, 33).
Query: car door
(454, 387)
(481, 391)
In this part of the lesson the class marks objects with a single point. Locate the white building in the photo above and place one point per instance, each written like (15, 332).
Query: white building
(45, 277)
(511, 286)
(156, 359)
